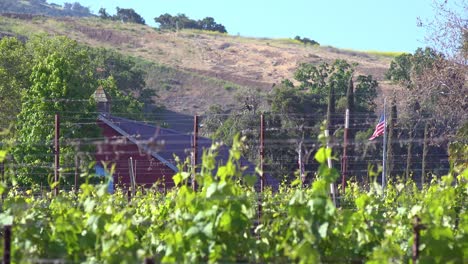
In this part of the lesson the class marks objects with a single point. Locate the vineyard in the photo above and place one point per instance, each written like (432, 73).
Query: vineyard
(122, 142)
(226, 221)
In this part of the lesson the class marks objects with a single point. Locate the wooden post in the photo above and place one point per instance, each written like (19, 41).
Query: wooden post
(195, 152)
(344, 159)
(417, 227)
(7, 244)
(76, 173)
(2, 170)
(131, 172)
(384, 149)
(135, 173)
(262, 152)
(330, 165)
(300, 163)
(262, 178)
(57, 154)
(149, 261)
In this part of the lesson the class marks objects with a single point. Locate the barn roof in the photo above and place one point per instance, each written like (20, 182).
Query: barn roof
(164, 144)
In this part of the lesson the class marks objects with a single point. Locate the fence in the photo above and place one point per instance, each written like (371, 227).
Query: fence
(283, 146)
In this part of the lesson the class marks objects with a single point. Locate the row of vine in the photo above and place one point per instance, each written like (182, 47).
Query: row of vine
(220, 223)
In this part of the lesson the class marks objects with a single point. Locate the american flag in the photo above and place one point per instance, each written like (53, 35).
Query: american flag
(379, 128)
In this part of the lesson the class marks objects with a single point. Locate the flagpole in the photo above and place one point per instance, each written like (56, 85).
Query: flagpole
(384, 156)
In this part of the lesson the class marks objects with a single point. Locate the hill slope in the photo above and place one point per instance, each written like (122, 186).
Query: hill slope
(194, 69)
(41, 7)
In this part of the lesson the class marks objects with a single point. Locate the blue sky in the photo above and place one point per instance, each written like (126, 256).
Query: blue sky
(386, 25)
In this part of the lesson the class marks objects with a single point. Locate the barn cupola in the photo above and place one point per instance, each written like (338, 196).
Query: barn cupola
(103, 100)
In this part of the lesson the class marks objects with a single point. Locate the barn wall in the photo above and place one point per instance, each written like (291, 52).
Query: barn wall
(117, 150)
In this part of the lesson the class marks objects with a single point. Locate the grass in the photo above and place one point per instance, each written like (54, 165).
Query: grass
(229, 88)
(391, 54)
(287, 41)
(16, 27)
(204, 32)
(363, 53)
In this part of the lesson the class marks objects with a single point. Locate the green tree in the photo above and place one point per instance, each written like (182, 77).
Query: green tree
(318, 79)
(293, 117)
(400, 70)
(307, 41)
(215, 116)
(61, 83)
(14, 78)
(406, 68)
(165, 21)
(128, 15)
(366, 92)
(181, 21)
(49, 75)
(76, 9)
(244, 121)
(103, 13)
(320, 87)
(129, 76)
(296, 114)
(122, 103)
(208, 23)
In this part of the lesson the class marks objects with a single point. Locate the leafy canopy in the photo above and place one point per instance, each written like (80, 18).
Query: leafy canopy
(167, 21)
(45, 76)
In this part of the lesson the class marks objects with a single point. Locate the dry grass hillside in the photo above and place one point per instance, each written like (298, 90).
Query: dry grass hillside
(197, 69)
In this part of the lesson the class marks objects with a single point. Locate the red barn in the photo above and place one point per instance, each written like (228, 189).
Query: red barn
(124, 148)
(147, 151)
